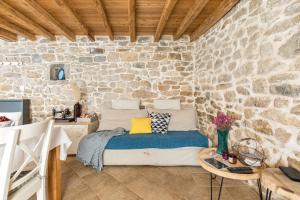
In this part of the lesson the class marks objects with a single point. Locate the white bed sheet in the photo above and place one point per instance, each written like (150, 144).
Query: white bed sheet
(185, 156)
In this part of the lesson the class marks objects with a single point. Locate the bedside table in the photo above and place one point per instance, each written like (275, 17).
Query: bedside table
(76, 131)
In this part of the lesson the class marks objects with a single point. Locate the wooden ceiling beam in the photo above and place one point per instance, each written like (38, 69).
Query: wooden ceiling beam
(101, 10)
(16, 29)
(7, 35)
(68, 8)
(39, 11)
(167, 11)
(223, 8)
(131, 20)
(189, 18)
(16, 16)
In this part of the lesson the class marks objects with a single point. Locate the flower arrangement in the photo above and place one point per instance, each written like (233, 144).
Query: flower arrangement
(223, 121)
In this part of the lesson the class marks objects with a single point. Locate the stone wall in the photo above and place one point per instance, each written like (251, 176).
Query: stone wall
(104, 70)
(248, 65)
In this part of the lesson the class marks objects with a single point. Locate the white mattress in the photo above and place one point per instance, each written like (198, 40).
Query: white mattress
(185, 156)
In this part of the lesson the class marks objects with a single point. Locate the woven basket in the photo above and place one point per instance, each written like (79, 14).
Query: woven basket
(249, 152)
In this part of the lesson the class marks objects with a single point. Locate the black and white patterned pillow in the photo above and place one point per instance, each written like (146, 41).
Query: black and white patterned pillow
(160, 122)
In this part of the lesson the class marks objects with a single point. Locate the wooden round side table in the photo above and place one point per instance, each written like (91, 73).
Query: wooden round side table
(275, 181)
(224, 173)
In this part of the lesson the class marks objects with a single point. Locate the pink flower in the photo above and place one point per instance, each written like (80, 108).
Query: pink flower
(223, 121)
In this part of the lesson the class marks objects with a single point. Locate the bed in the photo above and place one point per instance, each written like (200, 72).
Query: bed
(177, 148)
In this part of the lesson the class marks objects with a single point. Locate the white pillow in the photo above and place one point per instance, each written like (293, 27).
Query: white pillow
(181, 120)
(111, 119)
(16, 117)
(172, 104)
(126, 104)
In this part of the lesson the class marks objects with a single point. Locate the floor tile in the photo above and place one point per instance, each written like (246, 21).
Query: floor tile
(146, 183)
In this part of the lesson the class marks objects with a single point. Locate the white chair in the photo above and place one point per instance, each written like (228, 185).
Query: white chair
(12, 139)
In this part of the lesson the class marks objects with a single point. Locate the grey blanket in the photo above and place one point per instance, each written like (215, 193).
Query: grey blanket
(91, 147)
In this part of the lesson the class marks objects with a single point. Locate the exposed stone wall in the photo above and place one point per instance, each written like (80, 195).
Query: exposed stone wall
(248, 65)
(103, 69)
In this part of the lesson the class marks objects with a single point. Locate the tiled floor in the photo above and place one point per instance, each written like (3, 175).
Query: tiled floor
(145, 183)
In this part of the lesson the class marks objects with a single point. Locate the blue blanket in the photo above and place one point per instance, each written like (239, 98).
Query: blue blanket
(173, 139)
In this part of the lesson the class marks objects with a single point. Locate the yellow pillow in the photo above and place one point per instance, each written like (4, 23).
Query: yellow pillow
(140, 126)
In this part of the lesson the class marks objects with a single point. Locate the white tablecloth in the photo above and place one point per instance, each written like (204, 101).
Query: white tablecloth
(59, 138)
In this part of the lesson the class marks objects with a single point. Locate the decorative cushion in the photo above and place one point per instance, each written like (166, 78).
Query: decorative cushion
(111, 119)
(172, 104)
(126, 104)
(160, 122)
(182, 120)
(140, 126)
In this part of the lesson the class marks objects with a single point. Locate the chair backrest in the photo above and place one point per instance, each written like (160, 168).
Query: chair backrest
(21, 137)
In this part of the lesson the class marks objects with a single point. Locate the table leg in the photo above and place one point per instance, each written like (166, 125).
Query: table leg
(259, 189)
(211, 192)
(268, 194)
(220, 190)
(54, 175)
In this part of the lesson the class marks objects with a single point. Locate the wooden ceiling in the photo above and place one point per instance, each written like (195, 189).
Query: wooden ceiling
(29, 18)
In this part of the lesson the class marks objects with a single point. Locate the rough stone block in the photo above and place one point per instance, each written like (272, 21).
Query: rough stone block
(282, 135)
(286, 90)
(128, 56)
(281, 117)
(291, 48)
(36, 58)
(280, 103)
(86, 59)
(260, 102)
(259, 85)
(262, 126)
(97, 51)
(296, 110)
(230, 96)
(99, 58)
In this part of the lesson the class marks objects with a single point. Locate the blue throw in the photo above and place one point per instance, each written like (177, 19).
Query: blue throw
(91, 147)
(173, 139)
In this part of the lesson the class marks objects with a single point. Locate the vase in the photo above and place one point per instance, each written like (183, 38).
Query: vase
(222, 140)
(61, 74)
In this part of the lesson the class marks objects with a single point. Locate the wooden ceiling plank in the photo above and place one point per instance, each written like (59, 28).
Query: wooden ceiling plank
(37, 10)
(7, 35)
(192, 14)
(167, 11)
(16, 29)
(101, 10)
(20, 18)
(131, 20)
(68, 8)
(223, 8)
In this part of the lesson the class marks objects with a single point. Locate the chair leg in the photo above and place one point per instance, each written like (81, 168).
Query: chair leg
(42, 193)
